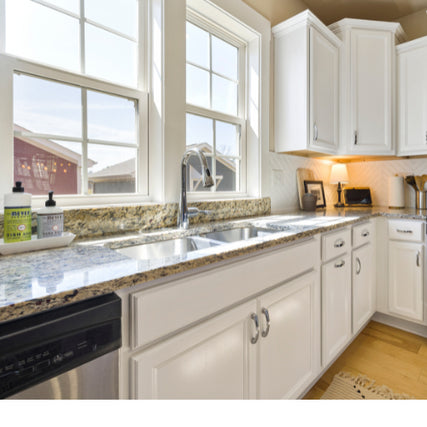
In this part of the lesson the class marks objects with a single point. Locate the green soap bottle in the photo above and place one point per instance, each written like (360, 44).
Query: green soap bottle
(17, 215)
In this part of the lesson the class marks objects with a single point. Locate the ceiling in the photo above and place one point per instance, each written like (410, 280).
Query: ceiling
(330, 11)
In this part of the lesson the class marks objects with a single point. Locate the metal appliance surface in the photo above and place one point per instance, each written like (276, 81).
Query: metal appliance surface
(357, 197)
(64, 353)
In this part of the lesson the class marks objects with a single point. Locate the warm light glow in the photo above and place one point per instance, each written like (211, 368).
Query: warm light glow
(338, 174)
(65, 170)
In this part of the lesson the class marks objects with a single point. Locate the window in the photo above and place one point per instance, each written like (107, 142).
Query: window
(215, 74)
(79, 114)
(72, 140)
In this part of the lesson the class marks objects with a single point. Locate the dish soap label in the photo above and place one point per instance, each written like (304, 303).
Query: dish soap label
(50, 220)
(17, 224)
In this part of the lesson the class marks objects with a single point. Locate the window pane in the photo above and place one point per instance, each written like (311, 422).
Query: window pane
(110, 57)
(194, 174)
(43, 106)
(224, 95)
(70, 5)
(227, 142)
(113, 170)
(198, 92)
(45, 165)
(200, 133)
(39, 33)
(224, 58)
(226, 173)
(197, 45)
(111, 118)
(120, 15)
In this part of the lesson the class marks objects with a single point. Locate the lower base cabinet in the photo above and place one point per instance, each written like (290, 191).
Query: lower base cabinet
(363, 286)
(336, 307)
(406, 266)
(267, 348)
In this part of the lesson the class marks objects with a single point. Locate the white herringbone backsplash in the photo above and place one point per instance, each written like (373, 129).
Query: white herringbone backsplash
(283, 185)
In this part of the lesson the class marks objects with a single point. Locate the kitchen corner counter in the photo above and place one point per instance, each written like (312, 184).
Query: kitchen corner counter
(38, 281)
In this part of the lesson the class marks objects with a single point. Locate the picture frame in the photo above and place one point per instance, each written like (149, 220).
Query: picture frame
(316, 188)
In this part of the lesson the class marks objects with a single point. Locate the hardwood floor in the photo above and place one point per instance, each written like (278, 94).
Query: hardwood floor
(391, 357)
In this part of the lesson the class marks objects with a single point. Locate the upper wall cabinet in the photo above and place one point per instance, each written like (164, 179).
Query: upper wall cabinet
(306, 85)
(412, 97)
(367, 85)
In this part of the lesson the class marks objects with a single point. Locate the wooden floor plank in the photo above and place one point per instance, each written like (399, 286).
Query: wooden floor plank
(389, 356)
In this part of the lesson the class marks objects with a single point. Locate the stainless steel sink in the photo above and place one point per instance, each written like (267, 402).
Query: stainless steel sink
(167, 248)
(237, 234)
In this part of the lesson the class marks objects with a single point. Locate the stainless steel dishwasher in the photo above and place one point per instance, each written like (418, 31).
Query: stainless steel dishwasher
(65, 353)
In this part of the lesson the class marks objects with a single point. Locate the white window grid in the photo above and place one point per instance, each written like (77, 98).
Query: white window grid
(240, 119)
(10, 65)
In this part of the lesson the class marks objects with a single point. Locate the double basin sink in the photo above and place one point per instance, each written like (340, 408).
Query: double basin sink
(182, 246)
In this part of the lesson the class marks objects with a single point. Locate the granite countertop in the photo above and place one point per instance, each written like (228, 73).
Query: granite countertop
(38, 281)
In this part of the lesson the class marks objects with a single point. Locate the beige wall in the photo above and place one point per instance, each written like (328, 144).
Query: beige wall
(277, 11)
(415, 25)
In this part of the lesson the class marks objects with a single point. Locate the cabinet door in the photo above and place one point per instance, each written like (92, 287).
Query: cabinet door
(371, 92)
(412, 102)
(324, 83)
(289, 357)
(214, 360)
(406, 279)
(336, 308)
(363, 286)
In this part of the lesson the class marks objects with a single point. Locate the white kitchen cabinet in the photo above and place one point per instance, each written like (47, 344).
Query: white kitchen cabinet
(214, 360)
(306, 92)
(363, 285)
(336, 306)
(406, 272)
(412, 97)
(367, 85)
(274, 339)
(289, 354)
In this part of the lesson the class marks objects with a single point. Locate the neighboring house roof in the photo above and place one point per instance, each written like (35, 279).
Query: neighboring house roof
(49, 146)
(124, 169)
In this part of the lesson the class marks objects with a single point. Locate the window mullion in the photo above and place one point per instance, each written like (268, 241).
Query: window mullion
(84, 174)
(82, 38)
(214, 155)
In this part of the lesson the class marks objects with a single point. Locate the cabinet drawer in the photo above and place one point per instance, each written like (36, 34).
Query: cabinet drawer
(164, 309)
(362, 233)
(335, 244)
(410, 231)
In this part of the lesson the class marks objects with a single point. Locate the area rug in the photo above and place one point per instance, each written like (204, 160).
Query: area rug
(347, 386)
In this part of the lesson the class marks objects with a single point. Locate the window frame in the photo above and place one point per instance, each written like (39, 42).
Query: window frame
(11, 64)
(240, 119)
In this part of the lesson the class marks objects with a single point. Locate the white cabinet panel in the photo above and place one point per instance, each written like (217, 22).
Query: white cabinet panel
(363, 285)
(306, 85)
(215, 360)
(412, 97)
(371, 91)
(336, 307)
(290, 352)
(406, 265)
(324, 79)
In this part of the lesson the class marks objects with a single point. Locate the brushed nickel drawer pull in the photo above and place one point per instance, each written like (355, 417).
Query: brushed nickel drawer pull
(254, 339)
(418, 258)
(365, 233)
(316, 132)
(340, 264)
(358, 266)
(267, 319)
(339, 243)
(404, 231)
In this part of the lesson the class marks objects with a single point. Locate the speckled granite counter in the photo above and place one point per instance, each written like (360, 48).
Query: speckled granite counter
(37, 281)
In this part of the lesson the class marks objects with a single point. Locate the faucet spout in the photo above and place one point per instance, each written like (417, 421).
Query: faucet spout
(183, 212)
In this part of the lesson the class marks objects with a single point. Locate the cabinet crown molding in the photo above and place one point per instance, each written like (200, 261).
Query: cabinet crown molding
(366, 24)
(305, 19)
(412, 45)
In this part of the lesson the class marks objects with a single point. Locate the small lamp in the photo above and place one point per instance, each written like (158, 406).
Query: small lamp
(339, 176)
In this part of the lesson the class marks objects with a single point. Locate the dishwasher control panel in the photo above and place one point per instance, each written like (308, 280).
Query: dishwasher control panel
(27, 365)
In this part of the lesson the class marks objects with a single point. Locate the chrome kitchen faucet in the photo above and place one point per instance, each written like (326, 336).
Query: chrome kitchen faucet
(184, 212)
